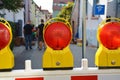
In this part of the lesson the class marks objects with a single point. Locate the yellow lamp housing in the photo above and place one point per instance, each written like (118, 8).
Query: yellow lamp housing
(108, 53)
(6, 55)
(57, 36)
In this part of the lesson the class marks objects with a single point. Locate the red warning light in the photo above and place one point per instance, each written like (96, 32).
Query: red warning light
(4, 36)
(57, 35)
(110, 35)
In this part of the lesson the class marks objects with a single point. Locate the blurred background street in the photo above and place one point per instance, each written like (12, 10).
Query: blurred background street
(35, 55)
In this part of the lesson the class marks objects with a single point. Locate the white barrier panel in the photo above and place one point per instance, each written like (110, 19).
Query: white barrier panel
(75, 74)
(67, 77)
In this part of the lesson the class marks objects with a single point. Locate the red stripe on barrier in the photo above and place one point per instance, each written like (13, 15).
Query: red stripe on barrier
(36, 78)
(91, 77)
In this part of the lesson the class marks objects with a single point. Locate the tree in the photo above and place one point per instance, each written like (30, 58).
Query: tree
(11, 5)
(66, 11)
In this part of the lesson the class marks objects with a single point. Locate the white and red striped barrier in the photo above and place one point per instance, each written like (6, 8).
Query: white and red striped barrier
(82, 73)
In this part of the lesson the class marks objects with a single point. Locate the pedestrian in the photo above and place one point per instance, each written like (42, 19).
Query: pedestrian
(40, 35)
(28, 35)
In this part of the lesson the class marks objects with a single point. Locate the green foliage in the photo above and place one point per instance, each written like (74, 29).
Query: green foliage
(11, 5)
(66, 11)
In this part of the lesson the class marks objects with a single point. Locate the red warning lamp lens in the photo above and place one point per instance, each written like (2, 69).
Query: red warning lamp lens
(110, 35)
(4, 36)
(57, 35)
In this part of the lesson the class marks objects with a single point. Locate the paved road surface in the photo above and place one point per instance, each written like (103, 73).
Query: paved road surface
(35, 56)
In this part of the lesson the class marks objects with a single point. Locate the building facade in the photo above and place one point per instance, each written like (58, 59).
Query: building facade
(30, 12)
(112, 9)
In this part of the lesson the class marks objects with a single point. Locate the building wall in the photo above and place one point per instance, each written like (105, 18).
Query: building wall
(91, 32)
(38, 16)
(92, 22)
(118, 9)
(27, 10)
(9, 15)
(111, 8)
(15, 17)
(32, 12)
(75, 18)
(20, 15)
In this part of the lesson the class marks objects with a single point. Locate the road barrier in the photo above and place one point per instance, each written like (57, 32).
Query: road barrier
(6, 55)
(108, 35)
(57, 35)
(82, 73)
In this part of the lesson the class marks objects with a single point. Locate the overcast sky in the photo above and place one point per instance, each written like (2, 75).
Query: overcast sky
(45, 4)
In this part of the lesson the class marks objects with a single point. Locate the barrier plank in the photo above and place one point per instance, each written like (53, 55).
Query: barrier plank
(33, 78)
(90, 77)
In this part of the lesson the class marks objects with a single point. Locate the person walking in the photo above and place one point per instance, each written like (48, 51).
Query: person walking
(40, 35)
(28, 35)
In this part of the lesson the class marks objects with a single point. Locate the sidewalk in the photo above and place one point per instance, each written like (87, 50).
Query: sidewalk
(18, 49)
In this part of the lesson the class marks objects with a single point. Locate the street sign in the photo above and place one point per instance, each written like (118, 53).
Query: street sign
(99, 10)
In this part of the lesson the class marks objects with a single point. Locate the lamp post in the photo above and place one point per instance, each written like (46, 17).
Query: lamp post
(83, 28)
